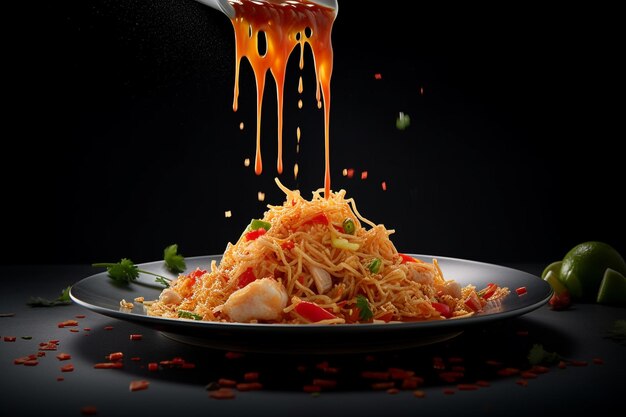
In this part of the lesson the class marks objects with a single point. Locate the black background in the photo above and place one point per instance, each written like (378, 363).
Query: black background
(120, 136)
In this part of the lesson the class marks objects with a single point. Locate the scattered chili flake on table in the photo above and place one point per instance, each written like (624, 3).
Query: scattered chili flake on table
(383, 385)
(135, 358)
(467, 387)
(67, 368)
(31, 362)
(153, 366)
(528, 375)
(10, 338)
(578, 363)
(448, 391)
(364, 175)
(311, 388)
(222, 394)
(138, 385)
(419, 394)
(108, 327)
(136, 337)
(67, 323)
(378, 76)
(109, 365)
(63, 356)
(60, 378)
(522, 382)
(482, 383)
(251, 376)
(74, 330)
(87, 329)
(80, 316)
(393, 391)
(115, 356)
(249, 386)
(233, 355)
(226, 382)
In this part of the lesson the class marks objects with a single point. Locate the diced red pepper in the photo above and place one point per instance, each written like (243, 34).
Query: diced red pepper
(473, 302)
(255, 234)
(406, 258)
(136, 337)
(109, 365)
(312, 312)
(521, 290)
(443, 309)
(287, 245)
(560, 301)
(247, 277)
(115, 356)
(138, 385)
(63, 356)
(318, 219)
(67, 368)
(488, 291)
(67, 323)
(153, 366)
(249, 386)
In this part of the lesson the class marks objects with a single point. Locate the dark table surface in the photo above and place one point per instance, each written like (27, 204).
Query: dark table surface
(590, 383)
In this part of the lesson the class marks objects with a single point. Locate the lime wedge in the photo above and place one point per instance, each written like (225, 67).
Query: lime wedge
(612, 288)
(555, 267)
(552, 278)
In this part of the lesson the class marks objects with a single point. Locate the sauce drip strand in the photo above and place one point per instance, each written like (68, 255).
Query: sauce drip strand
(278, 26)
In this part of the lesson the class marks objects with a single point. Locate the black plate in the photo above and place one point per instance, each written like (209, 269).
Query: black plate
(100, 294)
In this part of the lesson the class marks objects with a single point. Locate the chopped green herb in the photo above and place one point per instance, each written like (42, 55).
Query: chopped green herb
(403, 121)
(125, 271)
(61, 300)
(618, 331)
(539, 355)
(164, 281)
(27, 337)
(374, 266)
(349, 226)
(189, 315)
(365, 312)
(173, 260)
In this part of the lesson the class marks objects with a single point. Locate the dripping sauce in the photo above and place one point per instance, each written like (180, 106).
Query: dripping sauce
(284, 24)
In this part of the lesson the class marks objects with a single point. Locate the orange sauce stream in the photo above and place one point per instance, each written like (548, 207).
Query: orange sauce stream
(284, 24)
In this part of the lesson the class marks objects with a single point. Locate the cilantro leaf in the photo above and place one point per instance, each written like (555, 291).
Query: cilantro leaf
(61, 300)
(539, 355)
(173, 260)
(189, 315)
(125, 272)
(365, 312)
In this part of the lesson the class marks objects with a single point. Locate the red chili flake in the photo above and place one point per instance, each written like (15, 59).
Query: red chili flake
(87, 329)
(598, 361)
(322, 365)
(153, 366)
(350, 172)
(139, 385)
(383, 185)
(311, 388)
(521, 290)
(578, 363)
(24, 359)
(383, 385)
(522, 332)
(451, 376)
(378, 76)
(508, 371)
(233, 355)
(375, 375)
(412, 382)
(397, 373)
(67, 368)
(467, 387)
(115, 356)
(325, 383)
(538, 369)
(226, 382)
(31, 362)
(89, 410)
(109, 365)
(60, 378)
(39, 354)
(67, 323)
(251, 376)
(136, 336)
(222, 394)
(178, 361)
(393, 391)
(10, 338)
(493, 363)
(80, 316)
(364, 175)
(188, 365)
(482, 383)
(64, 356)
(419, 394)
(48, 346)
(528, 375)
(562, 365)
(249, 386)
(135, 358)
(448, 391)
(455, 359)
(108, 327)
(522, 382)
(74, 330)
